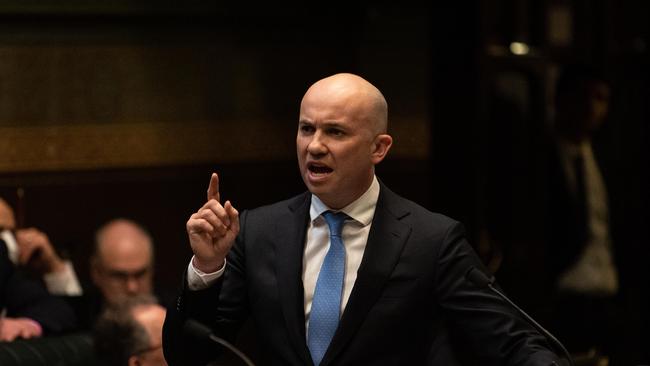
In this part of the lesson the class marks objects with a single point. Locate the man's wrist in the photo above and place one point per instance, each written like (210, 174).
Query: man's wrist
(206, 268)
(64, 282)
(199, 280)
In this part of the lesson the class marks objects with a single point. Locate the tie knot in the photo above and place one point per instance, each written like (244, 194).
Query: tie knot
(335, 222)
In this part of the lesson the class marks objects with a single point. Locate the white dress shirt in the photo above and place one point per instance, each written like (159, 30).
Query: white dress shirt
(355, 236)
(63, 283)
(594, 272)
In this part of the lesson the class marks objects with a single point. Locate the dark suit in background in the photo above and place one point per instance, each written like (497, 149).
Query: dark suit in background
(585, 320)
(22, 297)
(588, 267)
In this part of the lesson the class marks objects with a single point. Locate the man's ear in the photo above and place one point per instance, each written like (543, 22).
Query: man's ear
(380, 147)
(134, 361)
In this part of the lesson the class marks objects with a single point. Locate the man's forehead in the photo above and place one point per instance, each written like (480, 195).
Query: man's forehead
(333, 108)
(121, 236)
(125, 251)
(345, 96)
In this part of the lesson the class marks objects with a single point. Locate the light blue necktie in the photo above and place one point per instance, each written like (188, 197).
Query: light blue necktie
(326, 304)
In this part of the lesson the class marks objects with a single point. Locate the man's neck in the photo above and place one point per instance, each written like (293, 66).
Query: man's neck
(339, 202)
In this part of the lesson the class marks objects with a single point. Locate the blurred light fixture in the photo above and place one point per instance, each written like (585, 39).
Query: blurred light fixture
(519, 48)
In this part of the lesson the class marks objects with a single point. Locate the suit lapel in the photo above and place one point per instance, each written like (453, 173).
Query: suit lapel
(385, 243)
(289, 248)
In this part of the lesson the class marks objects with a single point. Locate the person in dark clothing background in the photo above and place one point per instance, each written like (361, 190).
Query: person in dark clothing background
(121, 265)
(582, 266)
(27, 309)
(129, 333)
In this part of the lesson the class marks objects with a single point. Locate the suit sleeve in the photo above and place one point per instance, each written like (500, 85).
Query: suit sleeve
(223, 307)
(23, 297)
(28, 299)
(478, 318)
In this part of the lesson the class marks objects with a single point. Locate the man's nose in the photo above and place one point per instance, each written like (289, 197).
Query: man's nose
(317, 144)
(132, 285)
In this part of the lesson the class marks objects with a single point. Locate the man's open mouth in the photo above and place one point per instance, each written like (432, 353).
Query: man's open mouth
(319, 168)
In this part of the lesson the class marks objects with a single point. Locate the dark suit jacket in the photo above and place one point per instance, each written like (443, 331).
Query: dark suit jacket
(24, 298)
(410, 288)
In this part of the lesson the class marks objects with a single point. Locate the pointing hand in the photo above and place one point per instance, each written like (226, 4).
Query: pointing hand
(212, 230)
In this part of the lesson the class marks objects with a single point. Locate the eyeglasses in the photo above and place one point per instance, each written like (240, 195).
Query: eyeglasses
(125, 276)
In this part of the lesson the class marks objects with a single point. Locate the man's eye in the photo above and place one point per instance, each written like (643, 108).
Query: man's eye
(306, 129)
(335, 132)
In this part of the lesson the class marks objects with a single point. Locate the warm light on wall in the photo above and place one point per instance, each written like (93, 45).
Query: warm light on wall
(519, 48)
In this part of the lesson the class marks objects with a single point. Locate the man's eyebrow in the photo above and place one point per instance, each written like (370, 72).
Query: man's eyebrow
(333, 124)
(136, 272)
(327, 124)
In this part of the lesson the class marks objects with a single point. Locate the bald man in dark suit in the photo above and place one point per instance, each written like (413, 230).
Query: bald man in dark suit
(348, 273)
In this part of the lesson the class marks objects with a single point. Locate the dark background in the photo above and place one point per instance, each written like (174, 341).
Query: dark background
(467, 114)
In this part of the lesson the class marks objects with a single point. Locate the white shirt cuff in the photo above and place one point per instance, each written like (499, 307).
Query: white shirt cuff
(63, 282)
(199, 280)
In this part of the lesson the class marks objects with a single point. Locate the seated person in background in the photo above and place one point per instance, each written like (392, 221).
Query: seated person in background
(582, 272)
(31, 248)
(130, 333)
(122, 262)
(121, 267)
(27, 309)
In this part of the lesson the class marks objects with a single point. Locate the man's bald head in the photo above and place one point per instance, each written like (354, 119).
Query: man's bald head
(360, 97)
(341, 137)
(121, 233)
(122, 265)
(7, 217)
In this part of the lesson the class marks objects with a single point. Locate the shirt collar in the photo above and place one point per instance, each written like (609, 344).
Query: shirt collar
(361, 210)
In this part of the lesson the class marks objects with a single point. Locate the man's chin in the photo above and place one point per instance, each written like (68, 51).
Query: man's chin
(322, 191)
(317, 189)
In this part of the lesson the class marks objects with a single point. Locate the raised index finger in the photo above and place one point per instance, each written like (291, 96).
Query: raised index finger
(213, 188)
